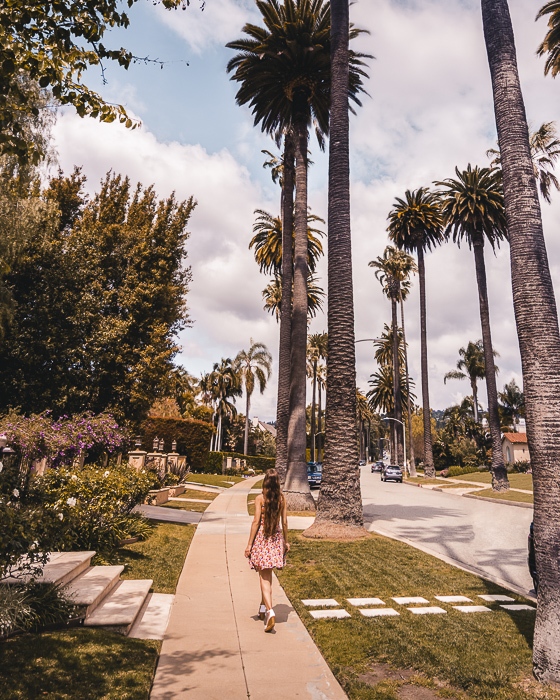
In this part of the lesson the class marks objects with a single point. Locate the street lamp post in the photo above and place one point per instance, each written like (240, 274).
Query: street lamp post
(404, 437)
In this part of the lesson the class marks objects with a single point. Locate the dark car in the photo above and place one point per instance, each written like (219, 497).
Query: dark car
(314, 474)
(392, 472)
(376, 467)
(531, 559)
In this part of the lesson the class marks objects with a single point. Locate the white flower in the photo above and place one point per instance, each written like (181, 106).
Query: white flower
(34, 545)
(60, 516)
(74, 477)
(1, 466)
(71, 502)
(106, 473)
(16, 493)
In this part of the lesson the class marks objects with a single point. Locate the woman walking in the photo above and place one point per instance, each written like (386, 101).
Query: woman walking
(268, 541)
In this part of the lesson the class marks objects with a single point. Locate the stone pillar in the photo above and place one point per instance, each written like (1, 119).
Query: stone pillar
(38, 466)
(137, 459)
(172, 461)
(78, 462)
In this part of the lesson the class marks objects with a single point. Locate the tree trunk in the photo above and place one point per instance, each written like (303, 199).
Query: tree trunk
(397, 394)
(313, 399)
(283, 402)
(500, 480)
(246, 436)
(412, 467)
(339, 510)
(219, 436)
(319, 423)
(296, 487)
(537, 328)
(429, 469)
(475, 397)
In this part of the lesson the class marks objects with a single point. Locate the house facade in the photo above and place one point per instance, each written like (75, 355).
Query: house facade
(514, 447)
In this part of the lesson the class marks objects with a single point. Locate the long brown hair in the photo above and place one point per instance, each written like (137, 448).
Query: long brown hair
(272, 502)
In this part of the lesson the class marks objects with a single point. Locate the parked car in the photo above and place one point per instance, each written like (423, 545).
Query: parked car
(314, 474)
(362, 463)
(376, 467)
(531, 559)
(392, 472)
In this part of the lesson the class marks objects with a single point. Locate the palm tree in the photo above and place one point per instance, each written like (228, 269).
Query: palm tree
(272, 295)
(364, 416)
(253, 365)
(223, 384)
(416, 226)
(545, 151)
(321, 377)
(285, 75)
(471, 366)
(537, 323)
(316, 350)
(512, 403)
(473, 209)
(551, 42)
(392, 269)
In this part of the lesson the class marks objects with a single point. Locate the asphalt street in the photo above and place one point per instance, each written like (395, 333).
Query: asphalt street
(487, 538)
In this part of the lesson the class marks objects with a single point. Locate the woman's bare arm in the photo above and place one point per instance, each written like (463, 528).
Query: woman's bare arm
(255, 524)
(285, 524)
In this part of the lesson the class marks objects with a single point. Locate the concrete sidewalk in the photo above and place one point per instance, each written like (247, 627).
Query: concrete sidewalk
(215, 646)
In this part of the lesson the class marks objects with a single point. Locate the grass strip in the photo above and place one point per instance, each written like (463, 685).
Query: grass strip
(80, 664)
(215, 479)
(516, 481)
(517, 496)
(204, 495)
(194, 507)
(160, 557)
(483, 656)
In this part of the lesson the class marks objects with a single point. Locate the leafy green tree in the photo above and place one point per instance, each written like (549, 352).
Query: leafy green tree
(253, 366)
(545, 151)
(99, 301)
(536, 317)
(53, 44)
(473, 209)
(512, 403)
(416, 226)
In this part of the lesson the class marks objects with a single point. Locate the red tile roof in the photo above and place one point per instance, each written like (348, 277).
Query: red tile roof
(516, 437)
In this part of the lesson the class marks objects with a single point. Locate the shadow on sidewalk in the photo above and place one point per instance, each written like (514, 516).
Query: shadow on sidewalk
(180, 665)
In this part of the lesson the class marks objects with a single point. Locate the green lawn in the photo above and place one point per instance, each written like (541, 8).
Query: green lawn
(80, 664)
(482, 656)
(185, 505)
(506, 495)
(421, 480)
(161, 557)
(206, 495)
(215, 479)
(516, 481)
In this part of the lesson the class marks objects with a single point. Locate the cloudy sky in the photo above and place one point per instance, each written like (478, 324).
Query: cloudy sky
(429, 109)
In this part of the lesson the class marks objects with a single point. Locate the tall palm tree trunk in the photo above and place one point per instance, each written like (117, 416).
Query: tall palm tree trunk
(313, 400)
(537, 327)
(474, 388)
(339, 509)
(246, 436)
(296, 487)
(412, 468)
(429, 468)
(283, 401)
(500, 480)
(397, 394)
(219, 435)
(319, 422)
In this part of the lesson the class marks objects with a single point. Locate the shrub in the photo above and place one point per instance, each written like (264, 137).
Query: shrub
(94, 506)
(192, 436)
(31, 606)
(259, 463)
(521, 467)
(461, 471)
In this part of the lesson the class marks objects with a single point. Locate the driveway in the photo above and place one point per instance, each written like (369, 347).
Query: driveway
(487, 538)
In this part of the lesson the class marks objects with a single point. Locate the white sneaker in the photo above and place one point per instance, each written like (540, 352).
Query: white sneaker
(262, 611)
(270, 620)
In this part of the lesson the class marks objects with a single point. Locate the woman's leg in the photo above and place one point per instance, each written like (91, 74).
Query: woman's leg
(265, 578)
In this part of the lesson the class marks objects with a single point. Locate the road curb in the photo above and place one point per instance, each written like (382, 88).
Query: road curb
(519, 504)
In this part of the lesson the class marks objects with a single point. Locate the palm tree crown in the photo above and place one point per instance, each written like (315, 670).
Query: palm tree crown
(551, 42)
(252, 366)
(473, 206)
(416, 221)
(393, 270)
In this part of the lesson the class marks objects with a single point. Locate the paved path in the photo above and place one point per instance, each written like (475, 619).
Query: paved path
(215, 646)
(488, 538)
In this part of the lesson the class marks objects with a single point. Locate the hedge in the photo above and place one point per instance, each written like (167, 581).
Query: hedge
(215, 459)
(461, 471)
(192, 436)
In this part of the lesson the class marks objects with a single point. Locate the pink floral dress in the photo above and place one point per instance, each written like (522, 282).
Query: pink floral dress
(267, 552)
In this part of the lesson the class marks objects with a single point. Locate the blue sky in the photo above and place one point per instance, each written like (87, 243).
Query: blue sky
(430, 109)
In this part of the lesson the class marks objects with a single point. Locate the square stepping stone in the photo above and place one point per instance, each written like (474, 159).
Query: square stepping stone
(472, 608)
(410, 601)
(365, 601)
(379, 612)
(453, 599)
(320, 602)
(497, 598)
(434, 610)
(517, 607)
(321, 614)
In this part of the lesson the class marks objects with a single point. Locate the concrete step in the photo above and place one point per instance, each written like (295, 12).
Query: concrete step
(119, 610)
(152, 620)
(91, 587)
(61, 568)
